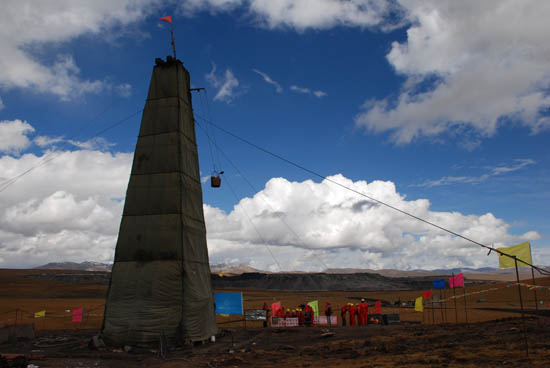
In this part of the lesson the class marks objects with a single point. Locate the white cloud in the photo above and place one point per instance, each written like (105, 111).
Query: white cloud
(335, 227)
(475, 64)
(226, 84)
(518, 164)
(307, 91)
(268, 79)
(304, 14)
(69, 209)
(13, 135)
(45, 141)
(27, 28)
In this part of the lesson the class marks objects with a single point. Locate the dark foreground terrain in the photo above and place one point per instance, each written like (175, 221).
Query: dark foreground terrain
(488, 344)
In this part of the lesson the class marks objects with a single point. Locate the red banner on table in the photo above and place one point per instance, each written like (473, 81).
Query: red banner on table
(427, 294)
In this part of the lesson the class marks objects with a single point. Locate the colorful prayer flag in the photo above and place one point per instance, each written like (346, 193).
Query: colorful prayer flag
(167, 19)
(427, 294)
(378, 307)
(438, 284)
(77, 315)
(418, 305)
(521, 251)
(456, 281)
(40, 314)
(315, 306)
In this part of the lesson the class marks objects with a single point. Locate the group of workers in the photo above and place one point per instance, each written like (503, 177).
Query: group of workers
(304, 313)
(357, 313)
(354, 314)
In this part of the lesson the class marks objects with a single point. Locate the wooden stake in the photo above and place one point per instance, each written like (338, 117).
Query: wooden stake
(454, 294)
(521, 305)
(465, 308)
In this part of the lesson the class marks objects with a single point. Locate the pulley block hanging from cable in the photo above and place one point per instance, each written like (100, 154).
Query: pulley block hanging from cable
(215, 179)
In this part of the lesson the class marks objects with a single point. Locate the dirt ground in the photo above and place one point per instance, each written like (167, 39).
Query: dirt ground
(493, 336)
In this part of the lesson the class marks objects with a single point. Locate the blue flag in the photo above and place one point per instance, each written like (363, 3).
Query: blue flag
(439, 284)
(229, 303)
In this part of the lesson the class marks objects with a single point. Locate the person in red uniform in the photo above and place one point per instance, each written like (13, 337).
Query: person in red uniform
(301, 317)
(308, 311)
(328, 312)
(363, 312)
(352, 312)
(266, 309)
(343, 312)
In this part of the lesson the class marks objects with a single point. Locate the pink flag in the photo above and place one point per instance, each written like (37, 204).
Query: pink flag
(459, 280)
(275, 307)
(167, 19)
(77, 315)
(378, 307)
(456, 281)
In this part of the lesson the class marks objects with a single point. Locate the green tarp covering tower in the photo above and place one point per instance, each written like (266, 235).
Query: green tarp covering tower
(160, 282)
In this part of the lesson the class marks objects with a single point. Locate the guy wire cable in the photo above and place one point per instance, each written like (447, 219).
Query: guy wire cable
(323, 264)
(540, 270)
(6, 184)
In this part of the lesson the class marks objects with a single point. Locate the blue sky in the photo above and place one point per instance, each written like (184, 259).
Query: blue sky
(438, 108)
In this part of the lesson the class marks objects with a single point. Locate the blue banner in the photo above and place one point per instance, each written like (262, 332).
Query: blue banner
(439, 284)
(229, 303)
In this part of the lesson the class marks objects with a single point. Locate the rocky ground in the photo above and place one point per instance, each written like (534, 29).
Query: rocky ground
(488, 344)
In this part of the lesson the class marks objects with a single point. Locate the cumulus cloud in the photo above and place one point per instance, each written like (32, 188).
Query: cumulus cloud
(307, 225)
(27, 28)
(13, 135)
(226, 83)
(268, 79)
(307, 91)
(305, 14)
(474, 64)
(68, 209)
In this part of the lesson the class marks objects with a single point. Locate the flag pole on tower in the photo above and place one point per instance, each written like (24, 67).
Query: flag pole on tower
(168, 19)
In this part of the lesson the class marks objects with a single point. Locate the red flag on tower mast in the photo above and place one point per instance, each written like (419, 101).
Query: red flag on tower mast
(168, 19)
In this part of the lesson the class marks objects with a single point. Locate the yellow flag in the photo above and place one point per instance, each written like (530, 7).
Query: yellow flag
(418, 305)
(521, 251)
(315, 306)
(40, 314)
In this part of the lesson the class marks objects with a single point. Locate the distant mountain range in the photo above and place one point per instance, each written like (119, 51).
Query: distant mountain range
(483, 273)
(84, 266)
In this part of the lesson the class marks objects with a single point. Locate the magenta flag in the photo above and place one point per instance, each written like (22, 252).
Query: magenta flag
(456, 281)
(275, 307)
(459, 280)
(77, 315)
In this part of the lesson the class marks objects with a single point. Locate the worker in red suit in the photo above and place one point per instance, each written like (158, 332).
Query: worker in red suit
(343, 311)
(328, 312)
(308, 311)
(266, 309)
(352, 311)
(301, 317)
(363, 312)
